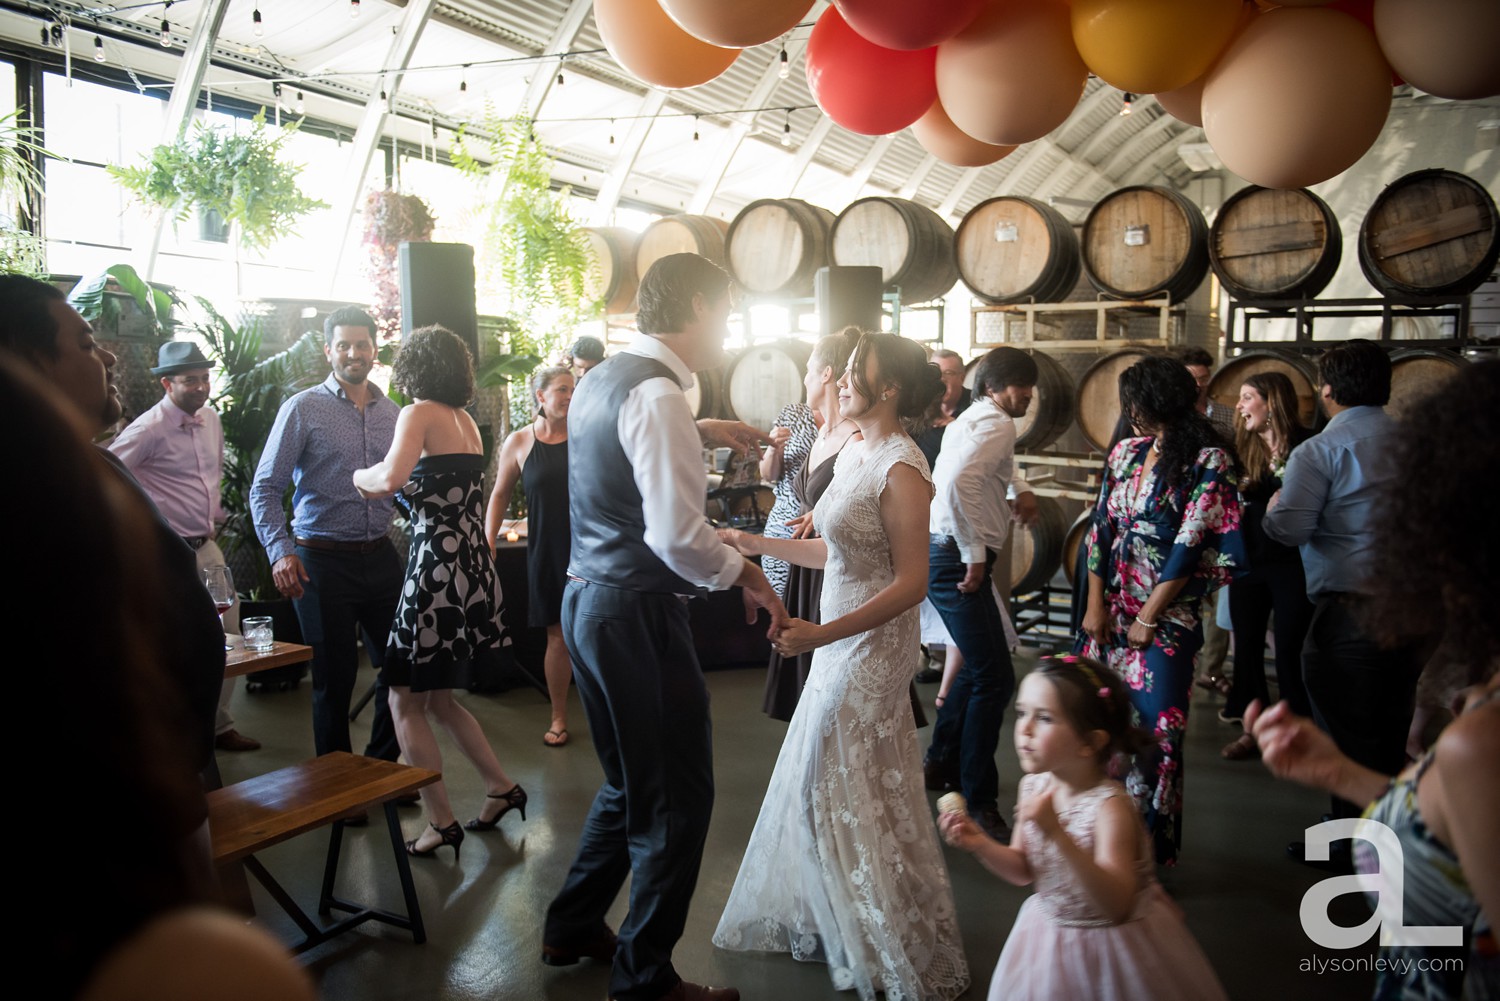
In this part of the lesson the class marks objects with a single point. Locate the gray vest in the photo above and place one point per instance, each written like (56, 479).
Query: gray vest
(609, 528)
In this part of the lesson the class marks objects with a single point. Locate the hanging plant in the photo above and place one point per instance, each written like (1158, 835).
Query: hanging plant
(238, 174)
(391, 218)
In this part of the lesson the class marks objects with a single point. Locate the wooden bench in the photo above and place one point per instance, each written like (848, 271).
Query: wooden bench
(253, 815)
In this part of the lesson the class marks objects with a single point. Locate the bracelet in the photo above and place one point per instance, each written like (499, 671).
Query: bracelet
(1143, 622)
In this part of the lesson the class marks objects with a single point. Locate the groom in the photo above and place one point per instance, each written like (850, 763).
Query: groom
(641, 547)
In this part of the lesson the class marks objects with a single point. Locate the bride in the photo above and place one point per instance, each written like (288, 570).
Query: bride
(844, 866)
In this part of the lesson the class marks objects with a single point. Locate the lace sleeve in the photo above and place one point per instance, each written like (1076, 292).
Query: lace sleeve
(907, 451)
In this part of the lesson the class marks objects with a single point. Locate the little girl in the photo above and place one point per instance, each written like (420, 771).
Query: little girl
(1099, 926)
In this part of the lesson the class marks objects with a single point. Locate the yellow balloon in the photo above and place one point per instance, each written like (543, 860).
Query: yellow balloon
(1147, 46)
(649, 44)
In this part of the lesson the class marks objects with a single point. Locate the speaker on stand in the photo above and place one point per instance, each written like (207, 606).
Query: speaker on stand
(437, 286)
(848, 295)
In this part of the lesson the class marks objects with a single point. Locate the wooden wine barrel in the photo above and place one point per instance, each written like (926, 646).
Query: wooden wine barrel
(1051, 410)
(1145, 241)
(910, 243)
(776, 245)
(1098, 395)
(706, 395)
(681, 234)
(1224, 389)
(1036, 550)
(763, 379)
(1269, 243)
(1434, 232)
(1078, 533)
(1013, 249)
(1418, 372)
(611, 276)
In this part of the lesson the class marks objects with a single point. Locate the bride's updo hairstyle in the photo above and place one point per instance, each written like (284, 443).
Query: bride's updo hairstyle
(902, 365)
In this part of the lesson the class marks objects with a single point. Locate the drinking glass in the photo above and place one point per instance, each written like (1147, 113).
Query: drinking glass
(220, 584)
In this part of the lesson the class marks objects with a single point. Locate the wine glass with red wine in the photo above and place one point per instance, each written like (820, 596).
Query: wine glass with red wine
(220, 584)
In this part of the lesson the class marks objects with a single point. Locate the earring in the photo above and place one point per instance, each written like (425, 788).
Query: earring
(885, 395)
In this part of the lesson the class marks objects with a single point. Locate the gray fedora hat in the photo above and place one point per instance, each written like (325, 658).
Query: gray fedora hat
(179, 356)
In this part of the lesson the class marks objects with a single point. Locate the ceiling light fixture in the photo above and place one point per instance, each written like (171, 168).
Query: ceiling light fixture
(463, 79)
(260, 29)
(786, 130)
(166, 29)
(98, 49)
(354, 8)
(785, 70)
(1125, 104)
(301, 104)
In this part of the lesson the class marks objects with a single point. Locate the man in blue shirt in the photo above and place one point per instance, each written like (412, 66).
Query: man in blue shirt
(1362, 693)
(336, 562)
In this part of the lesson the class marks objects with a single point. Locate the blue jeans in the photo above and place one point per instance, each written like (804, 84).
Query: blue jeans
(967, 731)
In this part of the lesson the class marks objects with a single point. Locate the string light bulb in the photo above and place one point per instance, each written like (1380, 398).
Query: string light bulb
(785, 69)
(463, 79)
(98, 49)
(301, 104)
(166, 29)
(695, 128)
(1125, 105)
(559, 78)
(260, 29)
(786, 130)
(354, 8)
(611, 131)
(276, 93)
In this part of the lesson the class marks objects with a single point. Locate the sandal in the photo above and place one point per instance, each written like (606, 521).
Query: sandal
(556, 738)
(1242, 748)
(1214, 683)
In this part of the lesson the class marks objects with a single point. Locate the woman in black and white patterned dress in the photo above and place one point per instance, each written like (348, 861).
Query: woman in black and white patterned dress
(450, 605)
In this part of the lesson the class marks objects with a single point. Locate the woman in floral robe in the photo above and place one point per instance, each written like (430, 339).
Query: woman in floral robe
(1165, 534)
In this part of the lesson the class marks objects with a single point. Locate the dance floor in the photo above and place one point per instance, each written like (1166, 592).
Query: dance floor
(484, 915)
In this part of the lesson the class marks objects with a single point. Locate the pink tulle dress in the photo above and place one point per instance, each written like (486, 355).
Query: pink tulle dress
(1063, 947)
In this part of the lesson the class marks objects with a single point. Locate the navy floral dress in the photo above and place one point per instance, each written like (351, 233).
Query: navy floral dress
(1143, 534)
(450, 604)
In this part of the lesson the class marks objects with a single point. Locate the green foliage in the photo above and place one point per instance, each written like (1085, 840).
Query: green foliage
(239, 175)
(391, 218)
(155, 304)
(20, 177)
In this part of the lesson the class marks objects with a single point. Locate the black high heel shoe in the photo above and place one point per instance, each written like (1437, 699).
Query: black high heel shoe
(453, 835)
(514, 800)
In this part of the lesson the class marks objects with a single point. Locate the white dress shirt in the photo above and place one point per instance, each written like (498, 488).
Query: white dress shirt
(178, 459)
(661, 440)
(974, 479)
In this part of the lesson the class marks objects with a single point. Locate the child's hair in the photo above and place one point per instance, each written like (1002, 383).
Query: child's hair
(1094, 698)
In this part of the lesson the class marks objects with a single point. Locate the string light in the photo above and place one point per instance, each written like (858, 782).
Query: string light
(98, 49)
(260, 29)
(611, 131)
(166, 29)
(301, 104)
(1125, 105)
(354, 8)
(559, 78)
(786, 130)
(695, 128)
(276, 93)
(463, 79)
(785, 70)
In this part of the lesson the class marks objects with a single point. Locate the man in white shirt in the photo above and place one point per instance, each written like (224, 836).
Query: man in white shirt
(175, 451)
(641, 546)
(974, 480)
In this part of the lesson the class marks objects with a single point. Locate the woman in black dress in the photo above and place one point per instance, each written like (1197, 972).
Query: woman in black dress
(537, 456)
(450, 606)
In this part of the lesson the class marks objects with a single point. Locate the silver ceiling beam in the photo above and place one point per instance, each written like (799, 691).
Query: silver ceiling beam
(561, 41)
(718, 164)
(804, 155)
(909, 189)
(630, 148)
(861, 175)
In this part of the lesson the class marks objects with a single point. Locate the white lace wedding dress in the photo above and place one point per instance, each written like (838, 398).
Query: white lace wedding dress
(844, 865)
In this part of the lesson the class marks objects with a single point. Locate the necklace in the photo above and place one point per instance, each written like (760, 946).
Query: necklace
(827, 431)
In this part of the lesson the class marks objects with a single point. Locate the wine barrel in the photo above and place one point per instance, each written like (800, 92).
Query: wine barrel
(1270, 243)
(776, 245)
(763, 379)
(1051, 409)
(1418, 372)
(1078, 534)
(1224, 388)
(706, 395)
(611, 276)
(1433, 232)
(1098, 395)
(1145, 241)
(681, 234)
(1012, 249)
(910, 243)
(1036, 549)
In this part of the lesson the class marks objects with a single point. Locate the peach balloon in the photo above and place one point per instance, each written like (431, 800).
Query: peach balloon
(649, 44)
(1145, 46)
(1449, 48)
(938, 135)
(1185, 103)
(737, 25)
(1013, 75)
(1299, 96)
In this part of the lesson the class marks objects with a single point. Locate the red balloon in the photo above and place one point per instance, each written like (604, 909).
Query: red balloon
(908, 24)
(865, 87)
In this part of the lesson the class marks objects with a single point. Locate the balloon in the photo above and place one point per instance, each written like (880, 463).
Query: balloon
(908, 24)
(1363, 11)
(1185, 103)
(1145, 46)
(737, 25)
(938, 135)
(1013, 75)
(862, 86)
(645, 41)
(1299, 96)
(1449, 48)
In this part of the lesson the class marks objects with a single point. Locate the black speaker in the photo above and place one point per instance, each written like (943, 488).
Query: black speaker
(437, 286)
(848, 296)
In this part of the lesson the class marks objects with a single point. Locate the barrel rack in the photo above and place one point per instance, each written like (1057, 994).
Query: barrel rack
(1169, 316)
(1043, 617)
(1306, 312)
(891, 305)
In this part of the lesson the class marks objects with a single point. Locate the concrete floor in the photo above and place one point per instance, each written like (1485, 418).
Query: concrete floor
(483, 915)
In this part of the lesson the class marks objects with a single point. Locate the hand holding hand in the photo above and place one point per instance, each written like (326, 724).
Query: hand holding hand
(779, 437)
(798, 636)
(746, 543)
(736, 435)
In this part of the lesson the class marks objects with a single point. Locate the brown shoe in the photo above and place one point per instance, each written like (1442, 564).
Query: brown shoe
(600, 948)
(233, 740)
(685, 991)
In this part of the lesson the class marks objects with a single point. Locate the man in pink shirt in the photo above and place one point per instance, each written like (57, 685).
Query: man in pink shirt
(175, 451)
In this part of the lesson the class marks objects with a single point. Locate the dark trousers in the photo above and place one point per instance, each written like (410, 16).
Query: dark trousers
(345, 592)
(643, 693)
(1362, 694)
(1282, 588)
(968, 724)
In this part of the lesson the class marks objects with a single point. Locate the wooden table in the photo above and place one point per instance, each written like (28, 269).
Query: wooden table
(239, 661)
